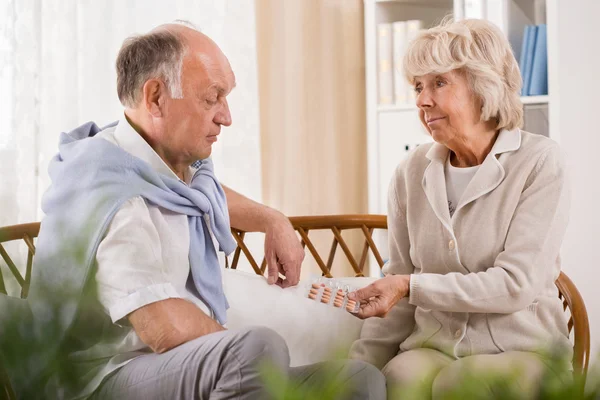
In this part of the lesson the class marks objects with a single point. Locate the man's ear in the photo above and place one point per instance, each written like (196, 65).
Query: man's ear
(154, 92)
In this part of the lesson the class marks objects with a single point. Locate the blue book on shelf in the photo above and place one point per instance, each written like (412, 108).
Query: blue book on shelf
(524, 49)
(539, 70)
(528, 62)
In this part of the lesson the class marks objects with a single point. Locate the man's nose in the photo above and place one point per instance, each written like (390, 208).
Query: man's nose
(223, 117)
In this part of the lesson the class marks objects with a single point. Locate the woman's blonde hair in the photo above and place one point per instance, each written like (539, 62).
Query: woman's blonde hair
(478, 48)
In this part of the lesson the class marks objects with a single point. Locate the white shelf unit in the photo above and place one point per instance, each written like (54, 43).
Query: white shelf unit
(535, 99)
(393, 130)
(527, 100)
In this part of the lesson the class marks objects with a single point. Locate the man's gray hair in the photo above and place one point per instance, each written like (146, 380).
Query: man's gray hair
(158, 54)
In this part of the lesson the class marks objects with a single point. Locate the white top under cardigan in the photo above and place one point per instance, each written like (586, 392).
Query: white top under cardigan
(482, 282)
(457, 180)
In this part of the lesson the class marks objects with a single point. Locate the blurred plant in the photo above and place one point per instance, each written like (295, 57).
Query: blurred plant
(557, 382)
(32, 352)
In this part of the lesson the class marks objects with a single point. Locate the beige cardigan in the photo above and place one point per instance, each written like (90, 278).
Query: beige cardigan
(482, 281)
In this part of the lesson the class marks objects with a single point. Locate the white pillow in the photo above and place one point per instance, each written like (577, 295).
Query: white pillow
(313, 331)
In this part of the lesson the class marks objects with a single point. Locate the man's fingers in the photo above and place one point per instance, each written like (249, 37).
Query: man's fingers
(292, 273)
(272, 268)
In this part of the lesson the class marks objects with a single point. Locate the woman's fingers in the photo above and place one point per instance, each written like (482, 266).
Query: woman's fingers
(374, 307)
(365, 293)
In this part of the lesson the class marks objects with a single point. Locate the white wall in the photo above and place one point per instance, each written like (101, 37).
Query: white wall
(579, 125)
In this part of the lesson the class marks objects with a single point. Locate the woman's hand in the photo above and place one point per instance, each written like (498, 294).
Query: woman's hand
(377, 299)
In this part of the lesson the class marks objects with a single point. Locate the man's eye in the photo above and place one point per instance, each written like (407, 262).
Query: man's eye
(211, 102)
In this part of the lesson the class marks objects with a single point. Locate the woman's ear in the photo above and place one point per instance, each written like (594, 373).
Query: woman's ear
(153, 92)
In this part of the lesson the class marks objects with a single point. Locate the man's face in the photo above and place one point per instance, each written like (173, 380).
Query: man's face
(192, 124)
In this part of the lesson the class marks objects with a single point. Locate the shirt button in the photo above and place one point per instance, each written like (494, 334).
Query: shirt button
(457, 334)
(451, 245)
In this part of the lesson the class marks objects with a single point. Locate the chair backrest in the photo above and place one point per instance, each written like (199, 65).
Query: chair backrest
(27, 233)
(578, 324)
(334, 223)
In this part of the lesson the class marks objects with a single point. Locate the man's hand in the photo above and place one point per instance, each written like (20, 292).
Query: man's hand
(283, 252)
(377, 299)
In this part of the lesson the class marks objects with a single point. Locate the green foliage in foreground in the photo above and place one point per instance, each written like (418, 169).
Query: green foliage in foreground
(556, 383)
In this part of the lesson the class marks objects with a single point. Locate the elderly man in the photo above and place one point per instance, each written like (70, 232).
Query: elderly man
(157, 328)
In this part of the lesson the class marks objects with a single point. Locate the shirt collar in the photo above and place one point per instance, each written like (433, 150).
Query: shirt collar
(506, 141)
(132, 142)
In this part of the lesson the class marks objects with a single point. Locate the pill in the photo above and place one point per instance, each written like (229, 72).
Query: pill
(350, 309)
(338, 303)
(314, 291)
(351, 302)
(327, 290)
(312, 296)
(315, 285)
(326, 297)
(324, 300)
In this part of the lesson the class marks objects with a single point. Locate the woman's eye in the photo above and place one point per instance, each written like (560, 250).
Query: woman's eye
(418, 89)
(440, 83)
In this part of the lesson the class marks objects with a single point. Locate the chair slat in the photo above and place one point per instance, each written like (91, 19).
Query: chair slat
(334, 245)
(263, 265)
(372, 245)
(13, 268)
(314, 253)
(2, 287)
(340, 239)
(29, 243)
(365, 252)
(25, 288)
(6, 390)
(238, 250)
(302, 240)
(570, 325)
(240, 242)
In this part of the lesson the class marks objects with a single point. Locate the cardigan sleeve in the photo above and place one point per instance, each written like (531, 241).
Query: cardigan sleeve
(531, 250)
(381, 337)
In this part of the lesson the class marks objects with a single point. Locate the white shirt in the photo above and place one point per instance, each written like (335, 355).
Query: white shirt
(142, 259)
(457, 180)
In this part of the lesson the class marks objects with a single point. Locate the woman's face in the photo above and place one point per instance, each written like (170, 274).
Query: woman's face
(447, 106)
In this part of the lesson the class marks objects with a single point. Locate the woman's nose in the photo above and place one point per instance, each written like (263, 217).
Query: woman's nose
(424, 99)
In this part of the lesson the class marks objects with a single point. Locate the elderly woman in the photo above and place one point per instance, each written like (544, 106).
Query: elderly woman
(475, 219)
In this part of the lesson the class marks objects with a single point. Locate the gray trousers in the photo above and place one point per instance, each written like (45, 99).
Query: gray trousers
(228, 365)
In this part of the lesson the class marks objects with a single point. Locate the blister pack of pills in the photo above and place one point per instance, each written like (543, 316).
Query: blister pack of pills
(331, 292)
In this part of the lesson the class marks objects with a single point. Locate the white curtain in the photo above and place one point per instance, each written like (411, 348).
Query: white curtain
(57, 72)
(313, 122)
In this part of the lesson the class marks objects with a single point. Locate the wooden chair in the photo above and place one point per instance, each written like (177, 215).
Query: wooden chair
(25, 232)
(578, 324)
